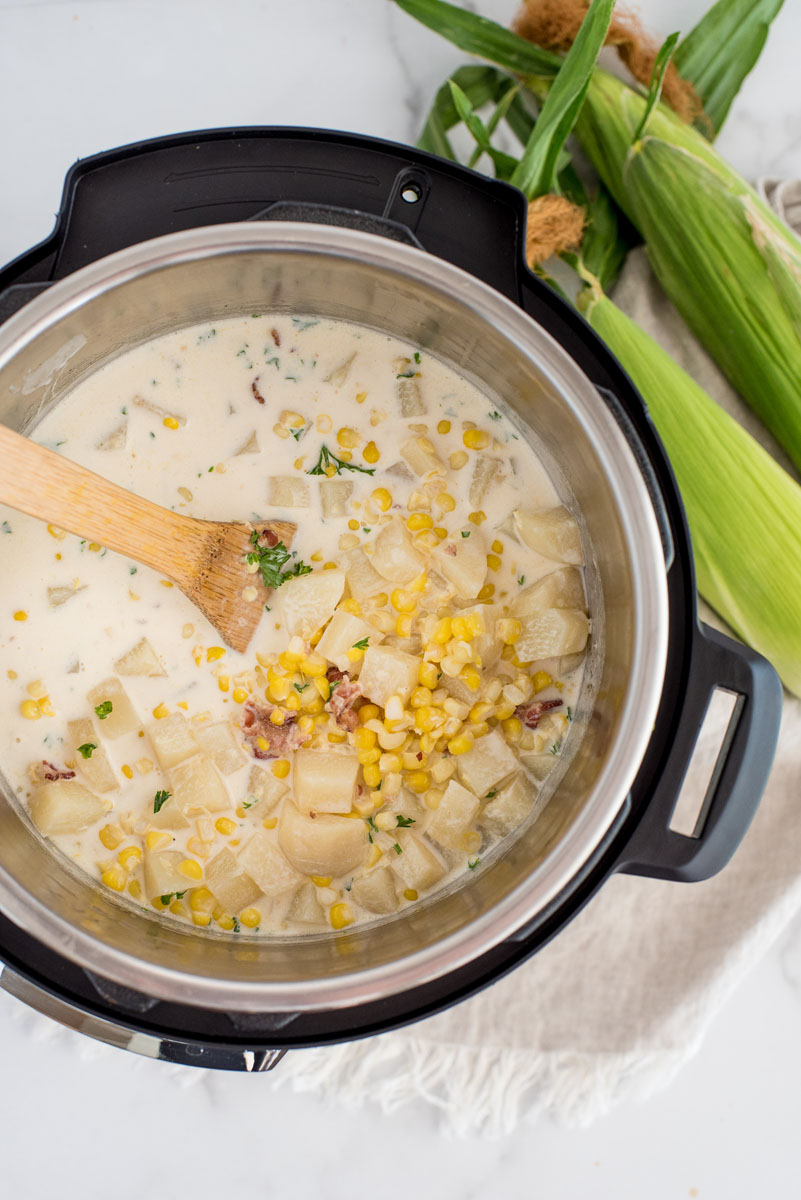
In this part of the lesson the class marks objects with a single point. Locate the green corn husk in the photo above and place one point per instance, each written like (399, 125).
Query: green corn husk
(729, 265)
(743, 509)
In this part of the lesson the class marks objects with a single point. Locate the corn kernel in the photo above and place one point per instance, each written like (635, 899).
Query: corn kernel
(479, 713)
(225, 826)
(443, 631)
(355, 654)
(201, 918)
(410, 893)
(427, 675)
(201, 900)
(111, 836)
(427, 718)
(475, 439)
(214, 652)
(457, 460)
(419, 520)
(420, 696)
(30, 710)
(540, 680)
(504, 710)
(135, 889)
(487, 592)
(45, 707)
(493, 562)
(445, 501)
(508, 630)
(337, 738)
(371, 453)
(471, 677)
(250, 917)
(389, 763)
(270, 822)
(348, 438)
(315, 666)
(321, 880)
(353, 524)
(157, 839)
(462, 743)
(191, 869)
(443, 427)
(292, 702)
(20, 615)
(369, 712)
(223, 683)
(305, 723)
(279, 688)
(470, 842)
(277, 716)
(340, 915)
(129, 857)
(263, 744)
(477, 518)
(364, 739)
(170, 423)
(372, 775)
(403, 625)
(402, 601)
(127, 771)
(381, 498)
(418, 781)
(239, 695)
(512, 728)
(161, 711)
(225, 922)
(281, 768)
(366, 757)
(115, 878)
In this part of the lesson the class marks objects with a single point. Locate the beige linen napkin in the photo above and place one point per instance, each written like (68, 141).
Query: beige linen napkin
(621, 999)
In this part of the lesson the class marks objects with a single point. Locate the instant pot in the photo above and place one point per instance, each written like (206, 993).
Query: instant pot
(196, 227)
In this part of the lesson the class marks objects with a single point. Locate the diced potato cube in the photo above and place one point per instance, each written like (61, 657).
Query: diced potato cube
(169, 816)
(265, 788)
(141, 660)
(65, 806)
(305, 907)
(342, 634)
(116, 439)
(323, 846)
(456, 811)
(407, 385)
(251, 446)
(306, 602)
(197, 787)
(363, 579)
(376, 891)
(263, 861)
(418, 866)
(486, 472)
(394, 555)
(173, 740)
(219, 741)
(552, 632)
(539, 766)
(438, 593)
(230, 882)
(56, 596)
(489, 761)
(122, 718)
(562, 588)
(421, 456)
(462, 560)
(324, 780)
(487, 644)
(288, 491)
(97, 769)
(162, 877)
(553, 533)
(387, 672)
(339, 374)
(508, 808)
(334, 496)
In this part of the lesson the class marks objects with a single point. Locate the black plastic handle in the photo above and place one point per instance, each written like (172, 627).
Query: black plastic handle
(740, 775)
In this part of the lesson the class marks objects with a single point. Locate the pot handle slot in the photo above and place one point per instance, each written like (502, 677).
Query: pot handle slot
(738, 777)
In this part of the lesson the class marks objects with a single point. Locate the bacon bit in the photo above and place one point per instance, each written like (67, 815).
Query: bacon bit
(343, 699)
(530, 714)
(282, 739)
(268, 538)
(450, 550)
(276, 336)
(50, 772)
(254, 387)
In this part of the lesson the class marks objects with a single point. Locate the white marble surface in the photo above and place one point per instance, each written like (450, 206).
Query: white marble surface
(76, 78)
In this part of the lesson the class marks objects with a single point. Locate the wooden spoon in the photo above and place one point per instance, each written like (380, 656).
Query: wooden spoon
(206, 559)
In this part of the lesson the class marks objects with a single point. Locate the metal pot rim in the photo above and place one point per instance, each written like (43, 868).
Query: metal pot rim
(650, 634)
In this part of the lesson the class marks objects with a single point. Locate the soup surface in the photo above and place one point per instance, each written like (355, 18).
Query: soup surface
(410, 685)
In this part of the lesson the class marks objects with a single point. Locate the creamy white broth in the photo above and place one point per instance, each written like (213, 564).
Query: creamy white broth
(193, 421)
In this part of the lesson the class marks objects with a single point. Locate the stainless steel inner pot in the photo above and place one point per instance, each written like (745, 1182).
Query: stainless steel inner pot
(219, 271)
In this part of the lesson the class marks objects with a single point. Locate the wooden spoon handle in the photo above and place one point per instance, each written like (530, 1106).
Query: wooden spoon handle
(41, 483)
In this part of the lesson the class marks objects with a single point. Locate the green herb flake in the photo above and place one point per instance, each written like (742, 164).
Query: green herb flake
(417, 357)
(405, 822)
(251, 800)
(406, 375)
(168, 896)
(271, 560)
(6, 527)
(300, 687)
(86, 749)
(371, 828)
(362, 644)
(298, 433)
(160, 799)
(522, 580)
(397, 848)
(302, 323)
(327, 459)
(465, 533)
(556, 747)
(132, 570)
(489, 795)
(273, 362)
(570, 714)
(494, 416)
(366, 529)
(237, 927)
(472, 865)
(103, 710)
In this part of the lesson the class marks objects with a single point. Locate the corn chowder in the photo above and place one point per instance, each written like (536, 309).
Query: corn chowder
(415, 672)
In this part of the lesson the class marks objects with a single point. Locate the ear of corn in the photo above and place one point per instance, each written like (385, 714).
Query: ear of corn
(744, 515)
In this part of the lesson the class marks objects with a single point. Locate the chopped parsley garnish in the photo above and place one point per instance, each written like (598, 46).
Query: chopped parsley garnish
(327, 459)
(271, 560)
(522, 580)
(160, 799)
(165, 899)
(251, 800)
(405, 822)
(298, 433)
(273, 362)
(362, 644)
(302, 323)
(103, 710)
(494, 792)
(494, 416)
(556, 747)
(237, 927)
(417, 356)
(366, 529)
(132, 570)
(406, 375)
(472, 865)
(465, 533)
(397, 848)
(255, 316)
(371, 828)
(86, 749)
(570, 714)
(300, 687)
(6, 527)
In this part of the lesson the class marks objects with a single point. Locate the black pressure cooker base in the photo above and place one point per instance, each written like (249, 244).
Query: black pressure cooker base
(129, 195)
